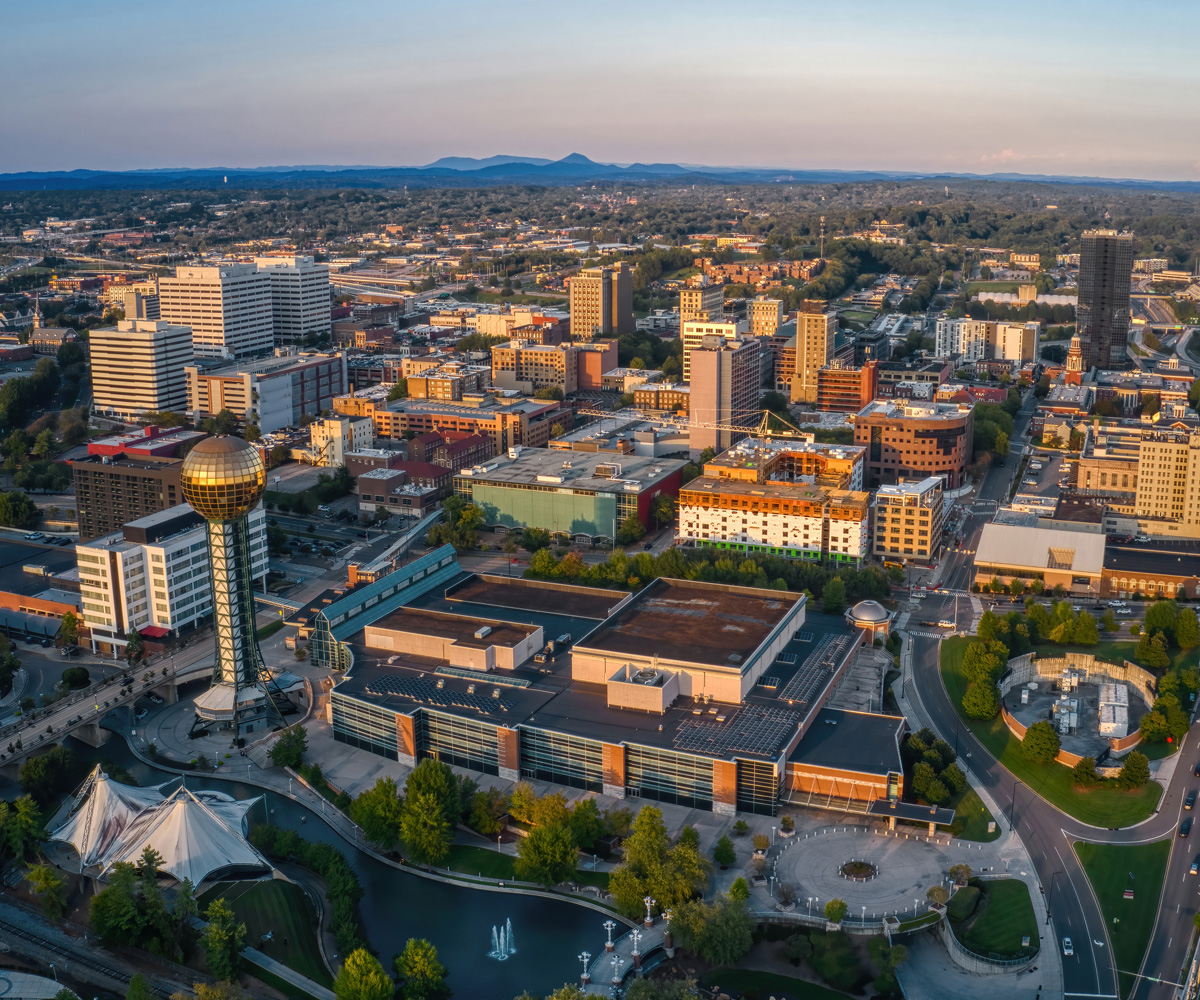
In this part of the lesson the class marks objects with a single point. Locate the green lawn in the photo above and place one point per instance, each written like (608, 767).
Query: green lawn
(971, 810)
(753, 983)
(992, 286)
(1107, 867)
(281, 907)
(1005, 915)
(916, 922)
(1106, 806)
(493, 864)
(268, 630)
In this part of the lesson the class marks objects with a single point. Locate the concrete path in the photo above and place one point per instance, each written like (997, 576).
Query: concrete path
(602, 969)
(930, 975)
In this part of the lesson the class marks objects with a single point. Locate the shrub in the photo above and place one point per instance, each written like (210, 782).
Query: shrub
(835, 910)
(1041, 743)
(77, 677)
(1084, 773)
(761, 841)
(740, 829)
(1135, 772)
(962, 904)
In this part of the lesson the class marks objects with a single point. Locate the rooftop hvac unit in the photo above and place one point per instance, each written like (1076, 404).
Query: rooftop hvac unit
(483, 631)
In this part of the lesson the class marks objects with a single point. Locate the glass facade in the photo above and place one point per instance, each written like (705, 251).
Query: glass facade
(669, 777)
(461, 742)
(566, 760)
(364, 726)
(757, 787)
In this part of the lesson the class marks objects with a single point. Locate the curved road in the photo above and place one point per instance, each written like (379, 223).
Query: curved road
(1048, 833)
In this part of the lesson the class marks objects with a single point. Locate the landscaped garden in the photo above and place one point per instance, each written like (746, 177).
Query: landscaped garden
(1129, 920)
(992, 918)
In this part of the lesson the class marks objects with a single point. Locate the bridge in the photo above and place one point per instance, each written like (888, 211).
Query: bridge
(80, 712)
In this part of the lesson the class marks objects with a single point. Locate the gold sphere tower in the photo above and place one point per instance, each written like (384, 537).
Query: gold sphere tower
(223, 479)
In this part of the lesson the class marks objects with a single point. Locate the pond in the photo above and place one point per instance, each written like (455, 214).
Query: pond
(547, 935)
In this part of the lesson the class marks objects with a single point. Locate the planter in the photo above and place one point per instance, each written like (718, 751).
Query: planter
(785, 907)
(787, 833)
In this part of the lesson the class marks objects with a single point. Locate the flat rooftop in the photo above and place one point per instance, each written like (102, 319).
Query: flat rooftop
(14, 556)
(751, 452)
(783, 491)
(852, 741)
(590, 471)
(699, 623)
(459, 629)
(1164, 559)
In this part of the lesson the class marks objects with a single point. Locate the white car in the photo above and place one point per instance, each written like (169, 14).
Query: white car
(1116, 604)
(1068, 948)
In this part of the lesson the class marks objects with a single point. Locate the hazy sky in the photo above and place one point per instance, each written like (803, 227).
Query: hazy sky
(1070, 87)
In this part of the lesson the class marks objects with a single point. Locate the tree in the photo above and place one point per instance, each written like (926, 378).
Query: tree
(488, 807)
(798, 948)
(719, 932)
(225, 422)
(1041, 743)
(422, 976)
(1161, 617)
(288, 750)
(1084, 773)
(50, 888)
(981, 700)
(379, 812)
(535, 539)
(398, 391)
(135, 647)
(1187, 629)
(663, 509)
(1135, 772)
(1108, 621)
(548, 855)
(362, 977)
(723, 852)
(630, 530)
(586, 824)
(739, 891)
(937, 792)
(834, 596)
(46, 445)
(937, 895)
(212, 991)
(68, 628)
(223, 940)
(426, 827)
(17, 510)
(139, 988)
(835, 910)
(1086, 632)
(961, 873)
(1152, 652)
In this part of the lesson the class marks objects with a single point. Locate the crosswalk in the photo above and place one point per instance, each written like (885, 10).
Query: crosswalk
(976, 613)
(902, 619)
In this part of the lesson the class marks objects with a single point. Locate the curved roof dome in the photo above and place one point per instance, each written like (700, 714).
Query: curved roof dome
(223, 478)
(869, 612)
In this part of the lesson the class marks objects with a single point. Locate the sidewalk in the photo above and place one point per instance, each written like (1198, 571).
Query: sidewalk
(1010, 848)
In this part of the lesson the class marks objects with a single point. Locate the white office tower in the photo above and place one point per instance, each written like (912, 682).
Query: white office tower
(300, 302)
(138, 367)
(227, 306)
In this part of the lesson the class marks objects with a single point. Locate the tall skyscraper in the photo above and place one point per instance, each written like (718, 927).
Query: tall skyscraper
(695, 330)
(1105, 272)
(138, 367)
(227, 306)
(223, 479)
(602, 302)
(816, 327)
(300, 302)
(705, 301)
(724, 391)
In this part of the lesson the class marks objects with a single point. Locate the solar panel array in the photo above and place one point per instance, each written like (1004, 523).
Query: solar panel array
(806, 683)
(760, 731)
(430, 694)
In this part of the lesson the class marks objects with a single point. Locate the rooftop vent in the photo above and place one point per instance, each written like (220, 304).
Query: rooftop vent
(483, 631)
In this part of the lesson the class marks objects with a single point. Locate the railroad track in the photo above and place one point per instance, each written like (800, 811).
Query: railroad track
(84, 961)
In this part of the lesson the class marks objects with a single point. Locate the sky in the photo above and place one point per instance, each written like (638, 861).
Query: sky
(1083, 87)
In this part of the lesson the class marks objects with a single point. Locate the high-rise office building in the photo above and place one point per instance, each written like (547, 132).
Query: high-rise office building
(695, 330)
(766, 316)
(111, 491)
(602, 302)
(227, 307)
(1102, 316)
(300, 302)
(705, 301)
(138, 367)
(724, 391)
(816, 328)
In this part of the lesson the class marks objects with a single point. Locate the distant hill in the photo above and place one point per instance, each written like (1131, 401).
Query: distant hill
(465, 171)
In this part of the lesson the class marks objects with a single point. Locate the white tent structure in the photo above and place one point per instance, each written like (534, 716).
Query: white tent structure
(199, 834)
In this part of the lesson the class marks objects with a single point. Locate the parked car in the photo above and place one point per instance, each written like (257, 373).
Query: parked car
(1068, 948)
(157, 699)
(141, 714)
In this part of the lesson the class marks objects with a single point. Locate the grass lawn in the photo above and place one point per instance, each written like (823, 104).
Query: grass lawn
(922, 921)
(859, 315)
(268, 630)
(1104, 806)
(1107, 867)
(272, 980)
(493, 864)
(753, 983)
(281, 907)
(971, 810)
(1006, 915)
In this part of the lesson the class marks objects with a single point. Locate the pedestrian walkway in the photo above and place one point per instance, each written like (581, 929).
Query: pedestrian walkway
(607, 968)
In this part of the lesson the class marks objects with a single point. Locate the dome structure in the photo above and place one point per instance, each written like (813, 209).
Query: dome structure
(223, 478)
(870, 616)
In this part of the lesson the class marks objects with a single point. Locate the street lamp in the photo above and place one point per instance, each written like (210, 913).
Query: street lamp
(608, 926)
(864, 913)
(55, 971)
(649, 914)
(585, 958)
(810, 906)
(773, 829)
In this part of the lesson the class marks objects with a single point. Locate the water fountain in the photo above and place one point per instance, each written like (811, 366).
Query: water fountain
(503, 942)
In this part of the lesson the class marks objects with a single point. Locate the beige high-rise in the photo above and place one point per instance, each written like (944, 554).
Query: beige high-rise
(138, 367)
(602, 302)
(227, 307)
(815, 330)
(724, 392)
(701, 302)
(766, 316)
(695, 330)
(1168, 479)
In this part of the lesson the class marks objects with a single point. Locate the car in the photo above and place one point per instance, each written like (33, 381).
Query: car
(1142, 539)
(1068, 948)
(928, 623)
(1195, 866)
(1116, 604)
(1185, 827)
(141, 714)
(47, 643)
(999, 463)
(947, 624)
(1190, 800)
(157, 699)
(1125, 612)
(1196, 771)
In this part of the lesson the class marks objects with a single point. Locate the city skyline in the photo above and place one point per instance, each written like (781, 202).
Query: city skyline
(1024, 89)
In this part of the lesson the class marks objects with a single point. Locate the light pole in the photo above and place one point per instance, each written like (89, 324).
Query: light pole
(864, 914)
(771, 885)
(773, 829)
(635, 954)
(585, 958)
(618, 963)
(649, 915)
(55, 971)
(608, 926)
(810, 906)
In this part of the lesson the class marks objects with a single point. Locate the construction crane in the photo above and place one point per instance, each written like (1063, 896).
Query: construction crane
(762, 429)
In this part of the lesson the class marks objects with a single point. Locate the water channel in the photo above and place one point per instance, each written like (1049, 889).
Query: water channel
(396, 906)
